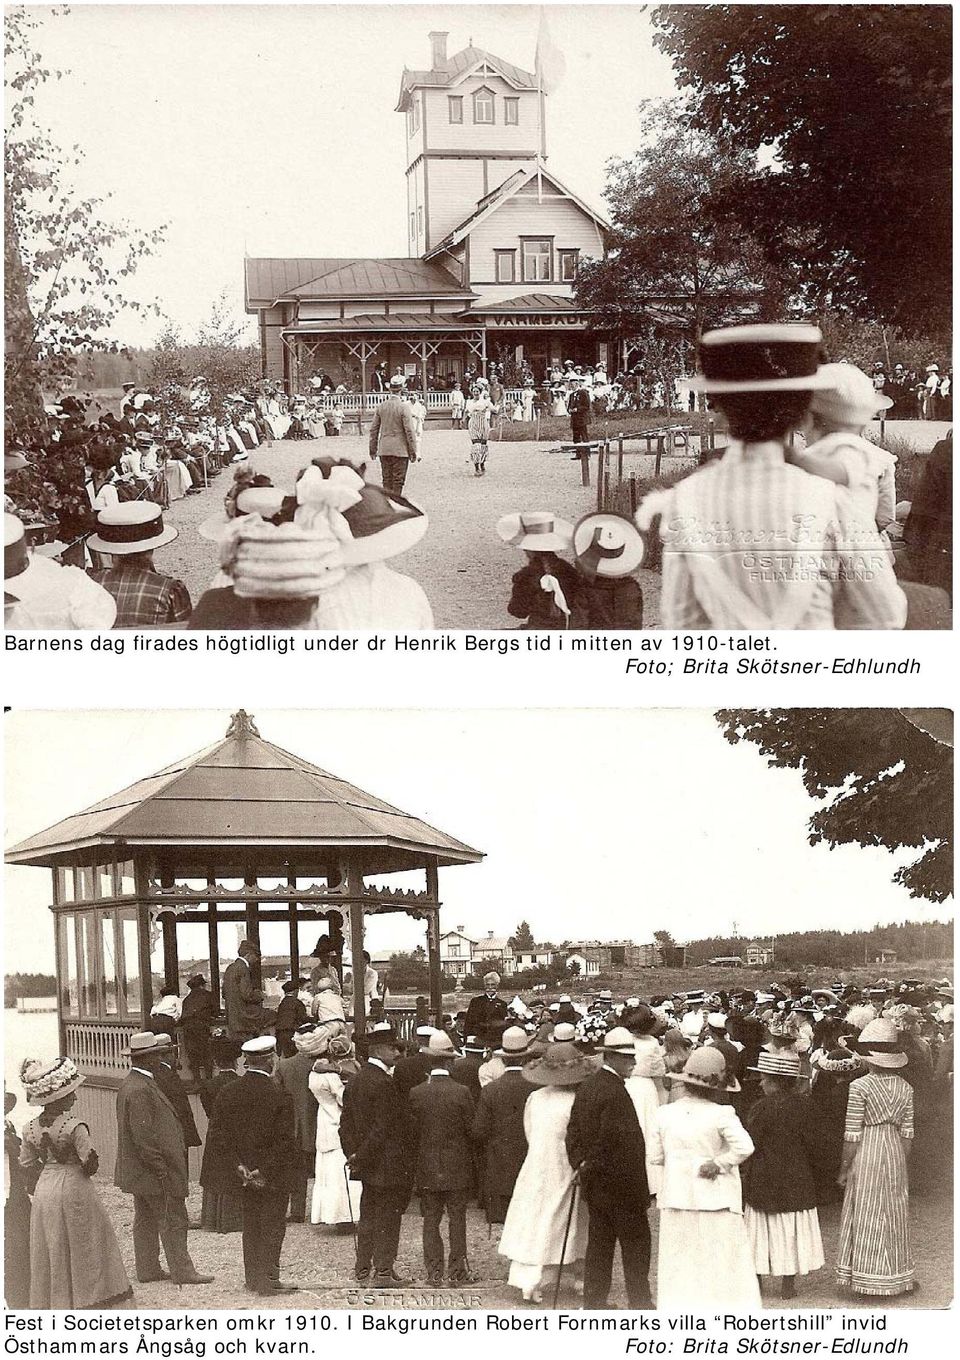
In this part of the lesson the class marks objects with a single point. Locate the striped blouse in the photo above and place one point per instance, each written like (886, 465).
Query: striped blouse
(878, 1100)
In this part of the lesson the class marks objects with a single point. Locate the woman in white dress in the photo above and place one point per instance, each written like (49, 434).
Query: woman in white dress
(704, 1258)
(536, 1220)
(646, 1085)
(336, 1200)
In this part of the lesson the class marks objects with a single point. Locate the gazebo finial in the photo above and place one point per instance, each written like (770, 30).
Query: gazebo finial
(242, 725)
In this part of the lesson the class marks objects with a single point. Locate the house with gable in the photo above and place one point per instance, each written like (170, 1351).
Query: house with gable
(494, 241)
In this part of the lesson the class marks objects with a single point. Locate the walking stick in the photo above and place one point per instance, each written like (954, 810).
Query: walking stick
(353, 1226)
(566, 1235)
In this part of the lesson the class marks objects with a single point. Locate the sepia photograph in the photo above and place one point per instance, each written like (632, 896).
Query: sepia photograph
(625, 316)
(689, 993)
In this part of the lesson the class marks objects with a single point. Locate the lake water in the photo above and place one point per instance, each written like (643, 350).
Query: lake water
(26, 1036)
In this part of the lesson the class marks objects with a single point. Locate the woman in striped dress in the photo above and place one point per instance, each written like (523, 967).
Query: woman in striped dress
(479, 411)
(874, 1253)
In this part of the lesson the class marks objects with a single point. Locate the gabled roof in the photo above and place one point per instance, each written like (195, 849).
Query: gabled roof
(517, 182)
(271, 280)
(459, 65)
(530, 302)
(246, 791)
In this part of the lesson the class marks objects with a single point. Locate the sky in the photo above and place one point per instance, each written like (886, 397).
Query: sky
(595, 824)
(271, 130)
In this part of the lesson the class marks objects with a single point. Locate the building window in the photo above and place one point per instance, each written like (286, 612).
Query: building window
(419, 221)
(455, 106)
(536, 261)
(414, 114)
(413, 225)
(483, 106)
(567, 265)
(506, 265)
(511, 111)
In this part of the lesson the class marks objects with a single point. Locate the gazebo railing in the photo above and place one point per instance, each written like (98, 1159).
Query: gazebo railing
(96, 1046)
(351, 401)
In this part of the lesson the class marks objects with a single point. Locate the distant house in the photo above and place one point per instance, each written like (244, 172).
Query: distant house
(759, 955)
(497, 947)
(583, 966)
(456, 952)
(727, 961)
(886, 956)
(540, 956)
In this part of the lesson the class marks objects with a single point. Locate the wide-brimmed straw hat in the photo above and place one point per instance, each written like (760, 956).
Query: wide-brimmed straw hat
(45, 1082)
(618, 1040)
(560, 1065)
(131, 527)
(536, 531)
(780, 1063)
(760, 358)
(879, 1043)
(850, 396)
(608, 545)
(706, 1067)
(515, 1043)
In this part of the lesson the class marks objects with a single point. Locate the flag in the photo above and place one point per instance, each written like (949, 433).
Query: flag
(550, 62)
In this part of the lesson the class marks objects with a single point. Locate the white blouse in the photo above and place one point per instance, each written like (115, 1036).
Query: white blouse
(688, 1133)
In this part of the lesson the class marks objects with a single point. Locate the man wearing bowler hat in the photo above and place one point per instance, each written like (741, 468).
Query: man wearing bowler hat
(375, 1137)
(130, 533)
(152, 1166)
(252, 1149)
(441, 1125)
(605, 1144)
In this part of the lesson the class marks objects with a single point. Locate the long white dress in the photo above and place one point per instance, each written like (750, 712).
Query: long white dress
(330, 1187)
(645, 1087)
(536, 1219)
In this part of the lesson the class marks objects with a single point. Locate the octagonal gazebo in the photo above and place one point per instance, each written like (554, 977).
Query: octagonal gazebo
(243, 832)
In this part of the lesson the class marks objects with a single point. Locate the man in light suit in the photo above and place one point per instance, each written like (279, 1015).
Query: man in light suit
(393, 438)
(152, 1166)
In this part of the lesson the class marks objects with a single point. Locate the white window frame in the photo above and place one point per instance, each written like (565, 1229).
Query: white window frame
(484, 95)
(529, 244)
(562, 256)
(455, 105)
(511, 105)
(500, 256)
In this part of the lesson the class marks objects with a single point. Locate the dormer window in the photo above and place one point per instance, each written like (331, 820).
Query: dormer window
(483, 105)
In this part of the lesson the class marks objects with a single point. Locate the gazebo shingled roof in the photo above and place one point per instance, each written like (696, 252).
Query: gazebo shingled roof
(241, 788)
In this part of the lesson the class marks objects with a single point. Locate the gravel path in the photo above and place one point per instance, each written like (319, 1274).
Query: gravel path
(461, 564)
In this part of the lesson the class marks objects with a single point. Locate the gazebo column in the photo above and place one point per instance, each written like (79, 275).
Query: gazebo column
(356, 953)
(213, 949)
(171, 959)
(251, 926)
(433, 944)
(294, 926)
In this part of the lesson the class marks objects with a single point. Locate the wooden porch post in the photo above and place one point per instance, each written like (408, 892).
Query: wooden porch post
(294, 939)
(356, 953)
(364, 356)
(433, 944)
(213, 949)
(171, 961)
(423, 369)
(142, 881)
(251, 926)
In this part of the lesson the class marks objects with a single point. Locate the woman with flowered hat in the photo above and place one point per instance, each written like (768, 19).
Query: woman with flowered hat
(336, 1200)
(540, 1209)
(74, 1258)
(700, 1143)
(874, 1256)
(779, 1191)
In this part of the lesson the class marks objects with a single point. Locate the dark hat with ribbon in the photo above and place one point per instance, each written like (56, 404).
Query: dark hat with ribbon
(761, 358)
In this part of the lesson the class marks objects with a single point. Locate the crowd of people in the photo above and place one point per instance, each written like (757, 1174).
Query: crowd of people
(914, 395)
(797, 525)
(737, 1115)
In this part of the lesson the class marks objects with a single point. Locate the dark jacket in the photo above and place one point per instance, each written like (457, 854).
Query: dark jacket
(466, 1071)
(411, 1071)
(611, 602)
(198, 1011)
(151, 1153)
(173, 1088)
(294, 1076)
(485, 1013)
(375, 1129)
(252, 1125)
(209, 1090)
(778, 1178)
(241, 999)
(604, 1133)
(529, 601)
(498, 1125)
(441, 1114)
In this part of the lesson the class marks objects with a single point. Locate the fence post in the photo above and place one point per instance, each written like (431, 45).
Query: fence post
(633, 494)
(584, 456)
(660, 452)
(620, 457)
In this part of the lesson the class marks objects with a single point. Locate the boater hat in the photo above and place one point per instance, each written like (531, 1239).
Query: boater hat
(607, 545)
(849, 397)
(536, 531)
(760, 358)
(781, 1063)
(132, 527)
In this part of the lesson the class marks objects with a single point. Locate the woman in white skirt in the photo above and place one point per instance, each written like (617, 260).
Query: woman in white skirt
(336, 1199)
(779, 1189)
(704, 1255)
(539, 1210)
(646, 1085)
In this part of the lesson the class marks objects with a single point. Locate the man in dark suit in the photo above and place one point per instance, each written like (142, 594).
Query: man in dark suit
(294, 1076)
(605, 1144)
(152, 1166)
(487, 1013)
(498, 1123)
(441, 1113)
(196, 1017)
(251, 1147)
(413, 1068)
(466, 1068)
(242, 998)
(375, 1137)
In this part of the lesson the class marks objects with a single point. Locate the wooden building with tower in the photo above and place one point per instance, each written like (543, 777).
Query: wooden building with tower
(494, 241)
(242, 832)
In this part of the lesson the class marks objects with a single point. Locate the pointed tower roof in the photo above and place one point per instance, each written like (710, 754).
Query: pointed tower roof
(246, 791)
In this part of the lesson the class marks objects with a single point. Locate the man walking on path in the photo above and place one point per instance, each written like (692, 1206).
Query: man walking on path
(442, 1121)
(375, 1137)
(253, 1149)
(605, 1144)
(578, 408)
(152, 1167)
(393, 438)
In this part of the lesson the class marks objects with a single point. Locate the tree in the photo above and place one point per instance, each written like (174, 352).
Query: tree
(65, 267)
(223, 357)
(882, 780)
(680, 256)
(522, 939)
(853, 105)
(664, 939)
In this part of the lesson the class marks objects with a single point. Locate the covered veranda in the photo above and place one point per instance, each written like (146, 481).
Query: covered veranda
(241, 834)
